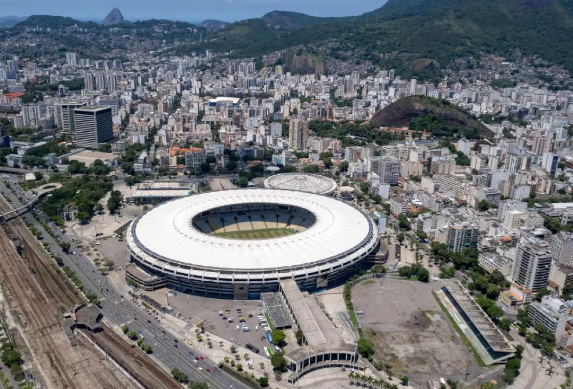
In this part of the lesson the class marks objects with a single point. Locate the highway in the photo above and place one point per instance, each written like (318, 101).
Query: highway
(118, 313)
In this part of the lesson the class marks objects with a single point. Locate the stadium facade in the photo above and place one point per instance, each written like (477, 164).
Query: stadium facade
(240, 243)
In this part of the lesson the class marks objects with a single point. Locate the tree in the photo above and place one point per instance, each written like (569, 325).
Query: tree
(299, 337)
(11, 356)
(519, 351)
(482, 206)
(488, 385)
(505, 324)
(403, 222)
(198, 385)
(65, 246)
(263, 381)
(447, 272)
(179, 376)
(364, 187)
(279, 362)
(242, 182)
(424, 275)
(495, 312)
(421, 235)
(38, 176)
(132, 335)
(146, 347)
(400, 237)
(542, 293)
(405, 271)
(114, 201)
(365, 347)
(125, 329)
(278, 337)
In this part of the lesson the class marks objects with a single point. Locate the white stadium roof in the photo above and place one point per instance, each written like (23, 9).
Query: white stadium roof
(304, 182)
(167, 232)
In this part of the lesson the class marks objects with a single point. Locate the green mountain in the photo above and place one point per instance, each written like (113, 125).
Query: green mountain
(9, 21)
(48, 21)
(418, 36)
(439, 117)
(295, 20)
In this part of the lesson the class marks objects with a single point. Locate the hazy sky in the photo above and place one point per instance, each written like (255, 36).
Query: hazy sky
(187, 10)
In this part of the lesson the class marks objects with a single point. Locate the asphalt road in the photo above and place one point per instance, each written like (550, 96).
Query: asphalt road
(118, 313)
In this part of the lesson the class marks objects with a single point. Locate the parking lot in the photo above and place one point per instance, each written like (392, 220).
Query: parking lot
(410, 331)
(206, 310)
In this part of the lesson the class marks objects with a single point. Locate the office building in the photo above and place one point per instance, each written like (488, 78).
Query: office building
(93, 126)
(532, 264)
(298, 134)
(551, 312)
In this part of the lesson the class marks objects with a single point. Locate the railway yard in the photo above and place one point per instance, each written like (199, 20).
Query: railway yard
(37, 295)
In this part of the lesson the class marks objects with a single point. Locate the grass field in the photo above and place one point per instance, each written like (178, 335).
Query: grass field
(265, 233)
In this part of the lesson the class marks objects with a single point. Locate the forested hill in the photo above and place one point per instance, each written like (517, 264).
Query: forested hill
(420, 36)
(418, 31)
(439, 117)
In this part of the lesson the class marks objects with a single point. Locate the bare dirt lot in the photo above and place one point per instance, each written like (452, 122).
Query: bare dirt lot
(409, 330)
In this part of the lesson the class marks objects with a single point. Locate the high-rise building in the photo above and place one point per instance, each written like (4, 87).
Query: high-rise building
(72, 59)
(93, 126)
(298, 134)
(89, 81)
(532, 264)
(561, 245)
(549, 163)
(68, 117)
(389, 170)
(462, 235)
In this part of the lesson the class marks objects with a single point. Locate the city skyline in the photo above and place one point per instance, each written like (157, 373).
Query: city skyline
(191, 11)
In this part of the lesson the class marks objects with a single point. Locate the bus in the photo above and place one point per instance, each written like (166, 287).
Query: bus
(252, 348)
(271, 351)
(270, 338)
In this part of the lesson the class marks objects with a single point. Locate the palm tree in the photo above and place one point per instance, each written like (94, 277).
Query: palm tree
(351, 376)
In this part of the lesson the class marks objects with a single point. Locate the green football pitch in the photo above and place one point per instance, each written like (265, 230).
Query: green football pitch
(265, 233)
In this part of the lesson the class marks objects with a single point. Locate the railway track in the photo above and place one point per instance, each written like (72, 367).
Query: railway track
(58, 288)
(38, 308)
(143, 369)
(40, 300)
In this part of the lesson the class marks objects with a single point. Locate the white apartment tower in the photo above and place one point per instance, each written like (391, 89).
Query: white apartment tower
(532, 264)
(298, 134)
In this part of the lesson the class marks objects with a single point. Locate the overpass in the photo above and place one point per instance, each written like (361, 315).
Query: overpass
(13, 170)
(40, 192)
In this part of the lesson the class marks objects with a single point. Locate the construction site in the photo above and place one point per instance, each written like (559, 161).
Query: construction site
(37, 295)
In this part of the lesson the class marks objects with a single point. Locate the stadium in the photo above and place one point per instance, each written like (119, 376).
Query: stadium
(240, 243)
(304, 182)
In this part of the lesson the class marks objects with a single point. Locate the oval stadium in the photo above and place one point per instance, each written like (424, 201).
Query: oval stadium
(240, 243)
(303, 182)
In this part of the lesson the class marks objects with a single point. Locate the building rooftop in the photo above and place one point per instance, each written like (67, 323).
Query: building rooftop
(93, 108)
(489, 331)
(304, 182)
